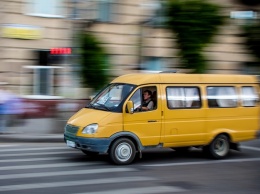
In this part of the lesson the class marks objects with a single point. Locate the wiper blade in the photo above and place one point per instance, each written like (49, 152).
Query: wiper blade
(89, 106)
(103, 106)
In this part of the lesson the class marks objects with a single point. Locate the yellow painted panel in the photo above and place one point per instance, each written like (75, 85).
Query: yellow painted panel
(21, 32)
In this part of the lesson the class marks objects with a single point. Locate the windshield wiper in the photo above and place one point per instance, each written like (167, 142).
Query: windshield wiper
(102, 105)
(89, 106)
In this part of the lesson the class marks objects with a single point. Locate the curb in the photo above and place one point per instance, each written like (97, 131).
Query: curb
(35, 138)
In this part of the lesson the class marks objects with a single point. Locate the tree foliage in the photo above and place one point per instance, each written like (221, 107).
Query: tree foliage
(251, 30)
(194, 22)
(92, 62)
(252, 34)
(249, 2)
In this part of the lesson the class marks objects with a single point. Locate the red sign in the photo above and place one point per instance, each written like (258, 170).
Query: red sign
(60, 51)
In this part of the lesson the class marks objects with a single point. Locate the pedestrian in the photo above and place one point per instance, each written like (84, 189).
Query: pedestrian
(3, 107)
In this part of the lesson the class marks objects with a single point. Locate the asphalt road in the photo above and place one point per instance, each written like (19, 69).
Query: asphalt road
(37, 168)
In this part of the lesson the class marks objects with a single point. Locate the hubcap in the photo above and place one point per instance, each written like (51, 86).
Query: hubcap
(123, 152)
(221, 147)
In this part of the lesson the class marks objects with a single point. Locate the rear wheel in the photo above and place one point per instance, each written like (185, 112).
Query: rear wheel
(219, 147)
(122, 151)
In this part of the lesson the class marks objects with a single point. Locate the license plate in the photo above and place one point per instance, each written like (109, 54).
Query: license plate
(71, 144)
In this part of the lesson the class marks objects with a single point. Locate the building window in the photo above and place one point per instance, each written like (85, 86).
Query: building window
(244, 17)
(249, 96)
(45, 8)
(183, 97)
(224, 97)
(46, 81)
(105, 11)
(153, 64)
(43, 81)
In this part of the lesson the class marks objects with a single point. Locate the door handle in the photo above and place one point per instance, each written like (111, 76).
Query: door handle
(150, 121)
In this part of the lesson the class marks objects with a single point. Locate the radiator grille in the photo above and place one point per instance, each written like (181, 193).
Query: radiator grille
(71, 129)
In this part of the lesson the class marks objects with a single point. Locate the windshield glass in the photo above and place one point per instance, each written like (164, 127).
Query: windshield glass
(111, 98)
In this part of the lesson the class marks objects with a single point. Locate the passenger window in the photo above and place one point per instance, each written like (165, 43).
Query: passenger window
(224, 97)
(183, 97)
(249, 96)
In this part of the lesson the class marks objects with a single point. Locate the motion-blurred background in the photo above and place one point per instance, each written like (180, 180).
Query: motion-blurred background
(55, 54)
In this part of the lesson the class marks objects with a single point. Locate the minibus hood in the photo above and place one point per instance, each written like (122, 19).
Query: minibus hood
(87, 116)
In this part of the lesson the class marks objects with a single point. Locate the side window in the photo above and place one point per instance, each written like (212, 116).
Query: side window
(183, 97)
(136, 98)
(145, 99)
(224, 97)
(249, 96)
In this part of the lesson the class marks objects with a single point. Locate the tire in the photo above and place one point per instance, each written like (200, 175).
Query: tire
(218, 148)
(89, 153)
(122, 151)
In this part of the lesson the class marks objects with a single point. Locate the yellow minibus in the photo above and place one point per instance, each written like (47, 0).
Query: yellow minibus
(208, 111)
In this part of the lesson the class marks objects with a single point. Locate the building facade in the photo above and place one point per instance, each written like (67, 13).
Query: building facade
(35, 30)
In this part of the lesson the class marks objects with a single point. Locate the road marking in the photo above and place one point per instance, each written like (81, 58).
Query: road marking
(34, 149)
(32, 159)
(250, 148)
(204, 162)
(144, 190)
(8, 145)
(34, 154)
(62, 173)
(74, 183)
(23, 167)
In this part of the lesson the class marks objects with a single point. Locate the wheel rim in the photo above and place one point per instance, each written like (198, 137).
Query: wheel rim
(221, 146)
(123, 152)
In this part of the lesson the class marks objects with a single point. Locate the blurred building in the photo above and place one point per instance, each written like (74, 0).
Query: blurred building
(37, 39)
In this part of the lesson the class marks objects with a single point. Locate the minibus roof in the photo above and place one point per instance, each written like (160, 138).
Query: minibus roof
(147, 78)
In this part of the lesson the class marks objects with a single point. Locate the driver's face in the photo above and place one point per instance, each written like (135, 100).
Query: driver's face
(146, 95)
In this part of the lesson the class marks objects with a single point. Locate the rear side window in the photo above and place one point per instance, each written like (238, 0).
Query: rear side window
(183, 97)
(249, 96)
(221, 97)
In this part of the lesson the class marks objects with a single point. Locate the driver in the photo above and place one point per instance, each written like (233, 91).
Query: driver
(147, 101)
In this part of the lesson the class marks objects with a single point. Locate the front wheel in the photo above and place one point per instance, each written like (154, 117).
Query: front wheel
(122, 151)
(219, 147)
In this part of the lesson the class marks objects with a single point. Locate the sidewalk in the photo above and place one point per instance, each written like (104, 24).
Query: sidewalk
(45, 130)
(34, 138)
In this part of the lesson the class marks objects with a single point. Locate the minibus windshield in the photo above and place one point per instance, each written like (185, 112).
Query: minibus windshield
(111, 97)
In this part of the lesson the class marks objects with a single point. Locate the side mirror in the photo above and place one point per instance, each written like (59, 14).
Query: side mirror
(130, 107)
(91, 97)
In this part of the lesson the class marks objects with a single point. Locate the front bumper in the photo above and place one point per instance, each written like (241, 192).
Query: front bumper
(100, 145)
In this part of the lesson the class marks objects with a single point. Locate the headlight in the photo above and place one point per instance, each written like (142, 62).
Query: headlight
(90, 129)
